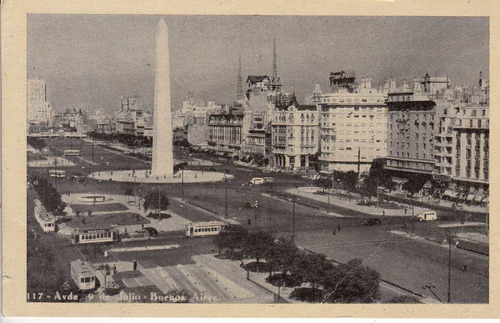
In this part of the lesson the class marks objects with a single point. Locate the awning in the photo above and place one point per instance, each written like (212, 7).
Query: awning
(470, 197)
(449, 193)
(477, 199)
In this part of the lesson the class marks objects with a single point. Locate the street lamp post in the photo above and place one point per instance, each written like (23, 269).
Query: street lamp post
(226, 215)
(182, 182)
(449, 267)
(293, 219)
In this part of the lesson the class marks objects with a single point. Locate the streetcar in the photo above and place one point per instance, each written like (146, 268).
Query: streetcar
(59, 173)
(94, 235)
(204, 228)
(71, 152)
(83, 275)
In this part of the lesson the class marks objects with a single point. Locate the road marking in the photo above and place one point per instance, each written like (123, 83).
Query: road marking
(146, 248)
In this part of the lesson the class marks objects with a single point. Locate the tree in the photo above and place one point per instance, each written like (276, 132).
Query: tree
(48, 195)
(350, 180)
(256, 244)
(231, 237)
(311, 268)
(416, 182)
(404, 299)
(351, 283)
(324, 183)
(129, 191)
(156, 200)
(281, 255)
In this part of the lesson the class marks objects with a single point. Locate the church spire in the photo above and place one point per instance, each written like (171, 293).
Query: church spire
(239, 91)
(275, 63)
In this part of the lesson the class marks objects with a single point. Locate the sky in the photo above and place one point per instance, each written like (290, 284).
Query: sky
(89, 61)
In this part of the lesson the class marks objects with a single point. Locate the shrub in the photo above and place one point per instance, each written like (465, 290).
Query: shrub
(307, 294)
(286, 280)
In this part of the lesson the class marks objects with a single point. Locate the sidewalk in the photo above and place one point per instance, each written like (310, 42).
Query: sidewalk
(352, 204)
(430, 203)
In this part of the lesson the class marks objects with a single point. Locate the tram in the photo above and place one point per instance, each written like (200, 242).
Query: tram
(83, 275)
(59, 173)
(71, 152)
(204, 228)
(94, 235)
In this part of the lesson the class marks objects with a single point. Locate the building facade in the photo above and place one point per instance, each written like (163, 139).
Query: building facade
(225, 133)
(353, 124)
(294, 136)
(39, 109)
(441, 131)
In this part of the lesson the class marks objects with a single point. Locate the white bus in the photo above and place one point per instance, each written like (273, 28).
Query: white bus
(71, 152)
(57, 173)
(83, 274)
(94, 235)
(204, 228)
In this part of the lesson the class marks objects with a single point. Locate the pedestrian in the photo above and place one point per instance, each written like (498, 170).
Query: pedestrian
(334, 232)
(135, 265)
(383, 213)
(406, 210)
(465, 267)
(105, 253)
(338, 227)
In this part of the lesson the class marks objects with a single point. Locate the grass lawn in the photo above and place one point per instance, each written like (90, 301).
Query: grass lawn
(108, 207)
(126, 218)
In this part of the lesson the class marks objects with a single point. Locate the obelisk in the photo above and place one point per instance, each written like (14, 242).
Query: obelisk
(163, 164)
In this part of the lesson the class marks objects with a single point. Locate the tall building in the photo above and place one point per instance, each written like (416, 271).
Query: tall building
(225, 133)
(39, 109)
(353, 124)
(442, 132)
(295, 133)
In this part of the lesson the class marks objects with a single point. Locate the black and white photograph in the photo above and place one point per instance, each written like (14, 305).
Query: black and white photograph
(257, 159)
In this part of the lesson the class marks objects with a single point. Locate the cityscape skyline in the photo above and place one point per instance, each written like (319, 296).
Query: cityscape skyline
(89, 61)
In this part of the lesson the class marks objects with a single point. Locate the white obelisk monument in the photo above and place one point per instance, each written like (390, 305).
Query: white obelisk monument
(163, 163)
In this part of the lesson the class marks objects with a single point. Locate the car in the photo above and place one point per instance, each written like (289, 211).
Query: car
(427, 215)
(152, 231)
(373, 221)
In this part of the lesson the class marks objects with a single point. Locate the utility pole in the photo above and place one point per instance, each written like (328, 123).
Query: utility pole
(55, 173)
(449, 236)
(377, 192)
(92, 151)
(182, 182)
(226, 215)
(159, 210)
(359, 160)
(328, 195)
(293, 219)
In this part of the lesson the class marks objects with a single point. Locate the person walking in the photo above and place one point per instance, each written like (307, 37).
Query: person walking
(135, 265)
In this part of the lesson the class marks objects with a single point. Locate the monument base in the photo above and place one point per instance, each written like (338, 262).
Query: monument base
(144, 176)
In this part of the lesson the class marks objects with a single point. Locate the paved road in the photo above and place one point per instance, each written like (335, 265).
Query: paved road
(411, 264)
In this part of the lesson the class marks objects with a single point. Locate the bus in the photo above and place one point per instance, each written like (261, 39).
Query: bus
(204, 228)
(94, 235)
(57, 173)
(71, 152)
(83, 275)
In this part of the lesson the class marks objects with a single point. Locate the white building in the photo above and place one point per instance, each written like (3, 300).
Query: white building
(39, 109)
(294, 136)
(194, 112)
(353, 125)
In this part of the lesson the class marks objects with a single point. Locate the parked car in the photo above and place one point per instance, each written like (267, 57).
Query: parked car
(152, 231)
(373, 221)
